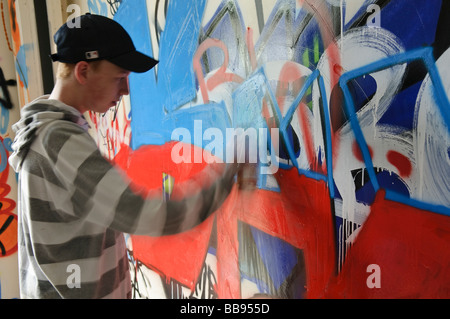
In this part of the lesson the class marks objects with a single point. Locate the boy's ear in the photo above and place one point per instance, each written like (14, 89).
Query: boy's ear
(81, 72)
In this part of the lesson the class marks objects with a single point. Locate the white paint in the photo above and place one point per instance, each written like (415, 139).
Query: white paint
(432, 141)
(360, 47)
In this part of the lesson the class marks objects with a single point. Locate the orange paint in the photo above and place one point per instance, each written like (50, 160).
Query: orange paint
(15, 31)
(8, 220)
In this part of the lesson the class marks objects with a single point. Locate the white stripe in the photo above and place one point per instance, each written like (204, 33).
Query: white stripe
(106, 197)
(72, 155)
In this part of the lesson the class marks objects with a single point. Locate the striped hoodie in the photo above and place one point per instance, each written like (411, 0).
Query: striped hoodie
(74, 206)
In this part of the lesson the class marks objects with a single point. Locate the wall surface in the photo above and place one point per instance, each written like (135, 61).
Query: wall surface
(9, 114)
(350, 196)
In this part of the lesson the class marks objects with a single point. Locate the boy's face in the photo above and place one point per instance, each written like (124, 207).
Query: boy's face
(106, 84)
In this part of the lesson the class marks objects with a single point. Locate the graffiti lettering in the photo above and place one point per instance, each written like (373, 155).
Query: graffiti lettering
(6, 99)
(205, 288)
(220, 76)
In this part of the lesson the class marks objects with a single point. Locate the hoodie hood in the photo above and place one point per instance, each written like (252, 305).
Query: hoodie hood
(34, 116)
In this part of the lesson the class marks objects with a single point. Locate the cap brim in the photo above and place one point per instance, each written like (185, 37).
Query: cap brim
(134, 61)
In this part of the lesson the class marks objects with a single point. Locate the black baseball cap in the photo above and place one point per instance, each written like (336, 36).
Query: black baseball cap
(95, 37)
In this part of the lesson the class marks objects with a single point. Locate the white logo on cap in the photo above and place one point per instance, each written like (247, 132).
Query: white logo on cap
(92, 55)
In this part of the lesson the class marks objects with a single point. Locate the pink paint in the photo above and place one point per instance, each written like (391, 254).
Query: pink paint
(251, 48)
(221, 76)
(324, 19)
(291, 74)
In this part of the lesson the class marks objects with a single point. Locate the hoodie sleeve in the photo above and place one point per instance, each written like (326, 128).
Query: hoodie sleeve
(100, 193)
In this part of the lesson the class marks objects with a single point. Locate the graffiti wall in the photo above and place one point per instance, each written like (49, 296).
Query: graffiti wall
(345, 105)
(358, 202)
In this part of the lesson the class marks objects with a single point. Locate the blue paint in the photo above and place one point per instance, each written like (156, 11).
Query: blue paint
(284, 124)
(401, 112)
(442, 103)
(328, 140)
(418, 22)
(416, 28)
(208, 115)
(144, 95)
(97, 7)
(278, 257)
(155, 99)
(4, 119)
(387, 180)
(21, 64)
(286, 37)
(227, 25)
(362, 90)
(248, 101)
(179, 42)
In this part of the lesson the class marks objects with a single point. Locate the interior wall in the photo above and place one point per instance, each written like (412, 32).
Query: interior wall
(354, 201)
(10, 106)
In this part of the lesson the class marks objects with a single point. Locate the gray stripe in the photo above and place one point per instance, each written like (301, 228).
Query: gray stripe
(128, 211)
(60, 233)
(89, 174)
(58, 133)
(189, 212)
(175, 216)
(89, 267)
(77, 248)
(108, 282)
(260, 15)
(38, 165)
(44, 211)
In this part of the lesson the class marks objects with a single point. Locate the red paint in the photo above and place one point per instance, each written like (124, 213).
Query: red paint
(408, 244)
(146, 165)
(302, 220)
(357, 152)
(303, 217)
(338, 69)
(181, 256)
(176, 257)
(401, 162)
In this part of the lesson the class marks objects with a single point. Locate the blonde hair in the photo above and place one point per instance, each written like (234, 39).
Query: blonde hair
(64, 70)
